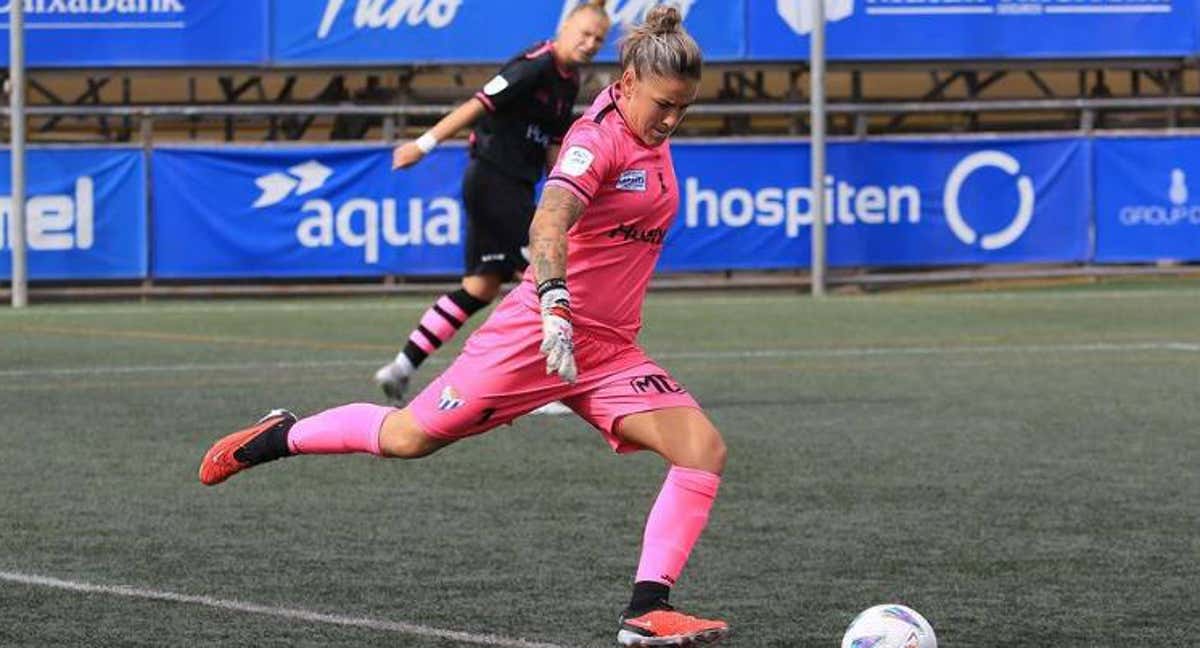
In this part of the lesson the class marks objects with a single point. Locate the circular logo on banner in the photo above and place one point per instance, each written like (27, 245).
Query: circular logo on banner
(954, 217)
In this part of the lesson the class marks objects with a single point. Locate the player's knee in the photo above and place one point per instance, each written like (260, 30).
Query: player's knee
(401, 437)
(485, 288)
(713, 452)
(705, 451)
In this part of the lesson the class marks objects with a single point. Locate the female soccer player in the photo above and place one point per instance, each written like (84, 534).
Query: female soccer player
(520, 117)
(568, 332)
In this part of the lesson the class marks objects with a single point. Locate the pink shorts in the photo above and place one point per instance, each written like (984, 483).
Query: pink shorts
(501, 375)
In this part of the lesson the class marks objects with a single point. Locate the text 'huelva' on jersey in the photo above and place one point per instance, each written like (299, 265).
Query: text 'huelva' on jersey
(357, 221)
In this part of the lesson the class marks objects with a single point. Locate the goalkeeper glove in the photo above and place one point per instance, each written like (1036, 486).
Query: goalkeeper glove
(557, 345)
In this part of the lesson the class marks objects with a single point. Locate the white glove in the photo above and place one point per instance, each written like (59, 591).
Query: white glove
(557, 344)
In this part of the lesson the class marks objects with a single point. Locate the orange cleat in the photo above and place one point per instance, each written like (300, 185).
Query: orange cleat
(668, 627)
(222, 462)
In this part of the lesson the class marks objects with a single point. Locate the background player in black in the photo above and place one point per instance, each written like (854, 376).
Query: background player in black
(520, 117)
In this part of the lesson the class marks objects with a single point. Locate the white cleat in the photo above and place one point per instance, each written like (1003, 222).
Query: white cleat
(392, 379)
(554, 408)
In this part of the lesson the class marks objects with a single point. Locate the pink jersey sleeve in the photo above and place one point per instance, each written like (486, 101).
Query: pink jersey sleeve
(587, 157)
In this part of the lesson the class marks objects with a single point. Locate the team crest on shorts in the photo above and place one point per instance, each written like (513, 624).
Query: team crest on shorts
(450, 399)
(632, 180)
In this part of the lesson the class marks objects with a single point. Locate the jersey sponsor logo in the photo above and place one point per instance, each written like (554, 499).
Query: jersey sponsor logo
(632, 180)
(449, 399)
(534, 133)
(656, 383)
(654, 236)
(495, 86)
(576, 161)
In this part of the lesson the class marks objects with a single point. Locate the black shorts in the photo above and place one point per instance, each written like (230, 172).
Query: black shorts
(499, 210)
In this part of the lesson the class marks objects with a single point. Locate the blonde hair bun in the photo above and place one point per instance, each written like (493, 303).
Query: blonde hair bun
(661, 46)
(663, 19)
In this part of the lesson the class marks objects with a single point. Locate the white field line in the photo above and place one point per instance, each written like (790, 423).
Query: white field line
(860, 352)
(404, 304)
(285, 613)
(1094, 347)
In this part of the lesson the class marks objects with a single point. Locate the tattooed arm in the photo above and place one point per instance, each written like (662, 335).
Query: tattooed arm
(556, 213)
(558, 210)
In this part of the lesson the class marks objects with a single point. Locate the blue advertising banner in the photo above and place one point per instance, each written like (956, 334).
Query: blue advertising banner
(141, 33)
(1147, 199)
(975, 29)
(313, 212)
(890, 203)
(356, 32)
(85, 214)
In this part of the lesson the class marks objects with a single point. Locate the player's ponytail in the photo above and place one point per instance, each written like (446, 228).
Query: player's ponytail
(660, 46)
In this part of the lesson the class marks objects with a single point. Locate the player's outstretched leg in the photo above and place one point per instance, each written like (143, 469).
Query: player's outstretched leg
(264, 441)
(349, 428)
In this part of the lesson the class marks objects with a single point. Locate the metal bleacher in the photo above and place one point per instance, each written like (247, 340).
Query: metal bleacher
(737, 99)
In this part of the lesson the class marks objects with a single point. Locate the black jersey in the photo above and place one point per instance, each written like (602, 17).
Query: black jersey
(529, 107)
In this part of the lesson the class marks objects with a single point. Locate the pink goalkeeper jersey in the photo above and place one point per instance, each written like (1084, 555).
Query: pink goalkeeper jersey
(631, 197)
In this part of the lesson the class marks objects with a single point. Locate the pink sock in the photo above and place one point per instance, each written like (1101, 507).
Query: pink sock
(349, 428)
(675, 522)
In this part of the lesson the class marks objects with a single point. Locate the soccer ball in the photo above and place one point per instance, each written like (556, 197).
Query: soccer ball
(889, 626)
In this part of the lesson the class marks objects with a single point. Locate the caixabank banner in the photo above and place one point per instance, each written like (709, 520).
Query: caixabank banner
(85, 214)
(141, 33)
(886, 203)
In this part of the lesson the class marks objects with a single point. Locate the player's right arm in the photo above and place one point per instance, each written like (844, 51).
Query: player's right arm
(557, 211)
(514, 83)
(411, 152)
(585, 164)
